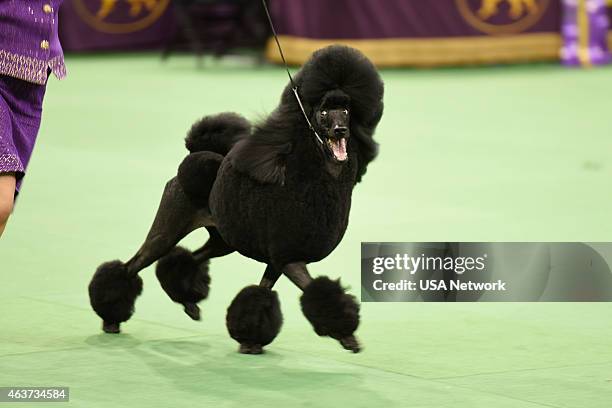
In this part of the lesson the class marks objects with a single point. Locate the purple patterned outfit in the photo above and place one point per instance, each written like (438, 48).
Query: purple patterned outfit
(29, 51)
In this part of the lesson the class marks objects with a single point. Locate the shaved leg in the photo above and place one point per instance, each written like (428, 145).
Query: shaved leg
(215, 247)
(270, 277)
(298, 274)
(7, 196)
(176, 217)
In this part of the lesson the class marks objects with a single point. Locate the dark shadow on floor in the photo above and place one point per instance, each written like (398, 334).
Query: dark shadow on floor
(235, 377)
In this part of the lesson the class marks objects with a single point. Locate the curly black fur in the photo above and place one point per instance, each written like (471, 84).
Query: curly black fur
(182, 278)
(197, 173)
(217, 133)
(346, 69)
(275, 198)
(254, 316)
(330, 310)
(331, 69)
(112, 293)
(278, 196)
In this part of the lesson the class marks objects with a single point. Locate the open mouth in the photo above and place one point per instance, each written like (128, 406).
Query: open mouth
(338, 148)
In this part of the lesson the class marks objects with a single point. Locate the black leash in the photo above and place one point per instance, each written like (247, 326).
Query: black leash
(294, 87)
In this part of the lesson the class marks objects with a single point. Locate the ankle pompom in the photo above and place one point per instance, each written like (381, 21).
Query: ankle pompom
(254, 317)
(183, 279)
(112, 293)
(330, 310)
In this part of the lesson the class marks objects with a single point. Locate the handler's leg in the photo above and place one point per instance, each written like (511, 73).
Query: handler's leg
(330, 310)
(254, 317)
(7, 195)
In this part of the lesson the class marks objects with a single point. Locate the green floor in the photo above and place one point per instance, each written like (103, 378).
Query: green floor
(507, 154)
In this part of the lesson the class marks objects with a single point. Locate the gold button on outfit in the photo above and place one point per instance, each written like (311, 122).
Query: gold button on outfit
(29, 43)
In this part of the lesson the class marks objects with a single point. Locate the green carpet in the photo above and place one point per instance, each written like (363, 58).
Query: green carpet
(486, 154)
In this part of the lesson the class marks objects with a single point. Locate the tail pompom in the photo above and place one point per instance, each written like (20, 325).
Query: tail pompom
(217, 133)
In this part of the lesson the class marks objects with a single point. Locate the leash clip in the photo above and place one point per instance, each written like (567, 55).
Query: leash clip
(297, 96)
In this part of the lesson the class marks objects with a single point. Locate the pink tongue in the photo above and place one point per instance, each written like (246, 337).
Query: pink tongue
(339, 148)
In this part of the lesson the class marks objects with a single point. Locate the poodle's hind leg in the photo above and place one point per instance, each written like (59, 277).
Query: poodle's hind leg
(215, 247)
(116, 285)
(176, 217)
(184, 275)
(254, 317)
(331, 311)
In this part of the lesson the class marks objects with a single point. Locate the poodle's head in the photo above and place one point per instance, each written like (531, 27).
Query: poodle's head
(342, 97)
(331, 119)
(342, 94)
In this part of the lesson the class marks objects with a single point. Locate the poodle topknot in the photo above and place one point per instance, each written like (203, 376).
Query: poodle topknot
(346, 69)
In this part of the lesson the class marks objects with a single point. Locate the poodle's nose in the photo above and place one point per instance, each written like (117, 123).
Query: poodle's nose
(340, 131)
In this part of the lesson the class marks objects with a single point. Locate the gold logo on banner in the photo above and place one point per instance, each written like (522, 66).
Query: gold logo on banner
(120, 16)
(499, 17)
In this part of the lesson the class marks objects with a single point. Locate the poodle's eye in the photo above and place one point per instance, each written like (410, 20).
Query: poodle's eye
(345, 111)
(323, 113)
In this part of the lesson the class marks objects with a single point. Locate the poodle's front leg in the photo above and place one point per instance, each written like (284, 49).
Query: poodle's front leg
(270, 277)
(254, 317)
(330, 310)
(298, 274)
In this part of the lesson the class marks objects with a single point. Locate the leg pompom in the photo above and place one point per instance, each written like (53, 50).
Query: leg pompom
(331, 311)
(184, 280)
(112, 294)
(254, 318)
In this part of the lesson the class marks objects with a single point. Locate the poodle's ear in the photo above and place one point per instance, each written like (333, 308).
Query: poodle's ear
(367, 148)
(262, 160)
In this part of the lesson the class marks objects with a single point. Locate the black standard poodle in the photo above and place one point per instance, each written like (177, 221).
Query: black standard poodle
(277, 192)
